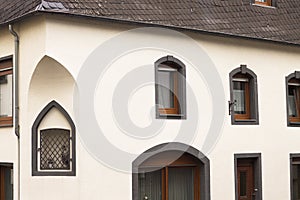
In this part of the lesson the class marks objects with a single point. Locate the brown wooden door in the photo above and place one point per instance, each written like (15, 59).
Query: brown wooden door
(6, 187)
(245, 183)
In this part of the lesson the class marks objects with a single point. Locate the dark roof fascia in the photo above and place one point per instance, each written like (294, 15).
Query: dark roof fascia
(19, 18)
(130, 22)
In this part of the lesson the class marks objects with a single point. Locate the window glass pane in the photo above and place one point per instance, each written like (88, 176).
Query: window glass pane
(165, 88)
(150, 185)
(293, 100)
(243, 183)
(296, 182)
(239, 97)
(8, 187)
(6, 95)
(55, 149)
(181, 183)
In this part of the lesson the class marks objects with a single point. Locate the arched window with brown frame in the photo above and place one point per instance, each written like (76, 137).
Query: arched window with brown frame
(293, 99)
(243, 104)
(170, 88)
(173, 173)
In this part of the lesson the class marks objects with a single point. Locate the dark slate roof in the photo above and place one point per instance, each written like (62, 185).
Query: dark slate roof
(229, 17)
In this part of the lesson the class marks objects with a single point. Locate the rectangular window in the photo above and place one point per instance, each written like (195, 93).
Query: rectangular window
(55, 149)
(241, 97)
(169, 183)
(167, 88)
(6, 89)
(295, 176)
(160, 178)
(264, 2)
(248, 177)
(294, 101)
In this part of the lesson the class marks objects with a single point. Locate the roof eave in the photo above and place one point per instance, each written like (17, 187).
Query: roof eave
(127, 21)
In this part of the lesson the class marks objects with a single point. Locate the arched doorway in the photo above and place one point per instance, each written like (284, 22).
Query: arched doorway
(171, 171)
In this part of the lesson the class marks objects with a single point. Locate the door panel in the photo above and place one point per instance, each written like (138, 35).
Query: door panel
(245, 183)
(6, 186)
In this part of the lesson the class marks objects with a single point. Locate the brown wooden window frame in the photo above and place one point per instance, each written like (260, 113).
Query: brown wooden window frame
(178, 111)
(266, 3)
(6, 68)
(172, 110)
(183, 162)
(246, 76)
(245, 80)
(165, 156)
(293, 80)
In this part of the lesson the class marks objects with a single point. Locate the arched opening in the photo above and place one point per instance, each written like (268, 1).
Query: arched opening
(50, 80)
(53, 143)
(171, 171)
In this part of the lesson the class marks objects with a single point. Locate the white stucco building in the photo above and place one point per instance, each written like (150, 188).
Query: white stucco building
(149, 100)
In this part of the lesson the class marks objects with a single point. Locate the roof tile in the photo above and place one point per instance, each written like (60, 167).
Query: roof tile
(234, 17)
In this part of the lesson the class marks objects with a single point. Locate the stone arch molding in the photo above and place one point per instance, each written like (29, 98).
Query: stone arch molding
(35, 131)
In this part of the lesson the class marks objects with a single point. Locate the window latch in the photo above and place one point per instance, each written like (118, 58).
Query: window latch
(230, 106)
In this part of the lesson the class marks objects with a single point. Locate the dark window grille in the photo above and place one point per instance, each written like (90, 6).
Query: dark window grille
(55, 149)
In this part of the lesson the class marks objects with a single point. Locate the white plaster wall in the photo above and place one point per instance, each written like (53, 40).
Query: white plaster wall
(272, 137)
(50, 81)
(70, 42)
(8, 139)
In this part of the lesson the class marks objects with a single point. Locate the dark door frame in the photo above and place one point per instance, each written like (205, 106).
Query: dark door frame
(257, 172)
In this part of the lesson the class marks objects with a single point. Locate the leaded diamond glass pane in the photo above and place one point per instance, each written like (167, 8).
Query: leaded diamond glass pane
(55, 149)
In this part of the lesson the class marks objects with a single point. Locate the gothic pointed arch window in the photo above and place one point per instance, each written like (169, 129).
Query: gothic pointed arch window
(53, 143)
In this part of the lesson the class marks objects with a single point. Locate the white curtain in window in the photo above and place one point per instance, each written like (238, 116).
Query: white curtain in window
(6, 96)
(165, 86)
(239, 97)
(181, 183)
(150, 186)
